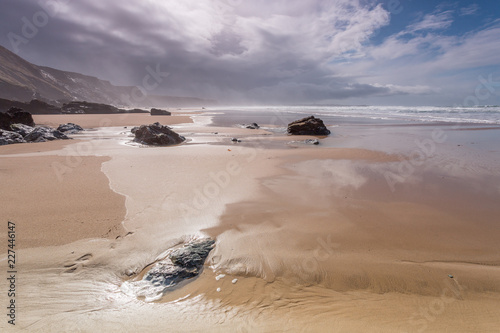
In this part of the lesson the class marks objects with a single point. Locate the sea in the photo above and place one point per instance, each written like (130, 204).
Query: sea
(367, 114)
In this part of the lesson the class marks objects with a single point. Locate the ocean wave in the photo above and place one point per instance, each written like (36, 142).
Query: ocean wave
(449, 114)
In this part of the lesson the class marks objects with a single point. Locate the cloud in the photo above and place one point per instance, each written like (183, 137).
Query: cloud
(274, 52)
(469, 10)
(436, 21)
(210, 47)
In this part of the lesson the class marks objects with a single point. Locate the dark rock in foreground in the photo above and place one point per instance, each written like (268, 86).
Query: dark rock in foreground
(69, 128)
(42, 134)
(157, 135)
(160, 112)
(15, 116)
(21, 129)
(181, 264)
(9, 137)
(308, 126)
(192, 254)
(17, 126)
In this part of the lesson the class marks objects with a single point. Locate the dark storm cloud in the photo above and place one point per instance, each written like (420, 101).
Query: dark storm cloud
(228, 50)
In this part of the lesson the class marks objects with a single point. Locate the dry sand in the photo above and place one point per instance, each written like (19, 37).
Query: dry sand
(52, 210)
(314, 237)
(110, 120)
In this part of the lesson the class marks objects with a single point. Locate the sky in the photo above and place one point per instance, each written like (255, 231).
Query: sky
(348, 52)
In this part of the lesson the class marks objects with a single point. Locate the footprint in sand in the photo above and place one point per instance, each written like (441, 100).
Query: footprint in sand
(77, 264)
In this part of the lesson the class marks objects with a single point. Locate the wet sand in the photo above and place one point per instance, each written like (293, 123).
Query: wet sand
(310, 239)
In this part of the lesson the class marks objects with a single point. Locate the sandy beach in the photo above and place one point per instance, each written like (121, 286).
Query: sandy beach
(337, 237)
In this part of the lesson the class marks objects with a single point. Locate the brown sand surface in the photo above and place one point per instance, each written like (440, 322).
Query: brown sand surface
(110, 120)
(35, 147)
(310, 239)
(51, 210)
(312, 244)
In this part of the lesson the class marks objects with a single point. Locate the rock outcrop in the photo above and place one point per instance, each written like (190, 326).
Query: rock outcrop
(69, 128)
(157, 135)
(9, 137)
(308, 126)
(181, 264)
(21, 129)
(89, 108)
(17, 126)
(15, 116)
(160, 112)
(252, 126)
(42, 134)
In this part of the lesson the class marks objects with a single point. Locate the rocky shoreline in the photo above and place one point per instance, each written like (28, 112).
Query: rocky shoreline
(18, 126)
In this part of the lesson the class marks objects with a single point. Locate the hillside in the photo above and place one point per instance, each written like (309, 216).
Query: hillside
(23, 81)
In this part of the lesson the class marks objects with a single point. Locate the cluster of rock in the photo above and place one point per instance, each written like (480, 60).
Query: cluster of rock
(160, 112)
(17, 126)
(308, 126)
(181, 264)
(156, 135)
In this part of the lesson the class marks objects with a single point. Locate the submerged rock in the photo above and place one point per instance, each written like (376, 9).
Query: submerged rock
(308, 126)
(157, 134)
(69, 128)
(160, 112)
